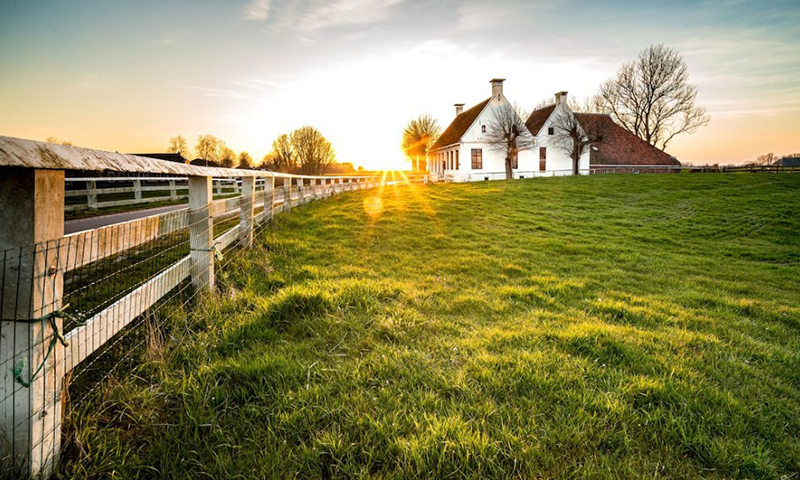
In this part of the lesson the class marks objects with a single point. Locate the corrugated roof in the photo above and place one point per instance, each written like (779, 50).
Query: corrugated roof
(538, 117)
(621, 147)
(459, 126)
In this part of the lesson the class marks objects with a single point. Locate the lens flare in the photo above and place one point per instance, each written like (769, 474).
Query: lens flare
(373, 206)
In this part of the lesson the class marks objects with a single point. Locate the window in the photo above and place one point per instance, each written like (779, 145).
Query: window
(542, 159)
(477, 159)
(551, 130)
(483, 128)
(457, 162)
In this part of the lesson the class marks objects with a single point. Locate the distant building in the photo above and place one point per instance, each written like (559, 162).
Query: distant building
(462, 152)
(553, 160)
(170, 157)
(788, 162)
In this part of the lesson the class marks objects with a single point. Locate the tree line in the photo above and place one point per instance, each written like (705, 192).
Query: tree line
(649, 96)
(304, 150)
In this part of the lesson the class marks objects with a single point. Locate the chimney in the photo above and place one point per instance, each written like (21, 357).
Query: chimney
(561, 97)
(497, 86)
(459, 108)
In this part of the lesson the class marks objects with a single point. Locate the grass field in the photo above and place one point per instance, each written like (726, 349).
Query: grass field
(599, 327)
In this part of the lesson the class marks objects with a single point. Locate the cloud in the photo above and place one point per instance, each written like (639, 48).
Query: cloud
(257, 10)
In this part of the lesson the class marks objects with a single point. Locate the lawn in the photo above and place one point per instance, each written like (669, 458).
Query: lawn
(603, 327)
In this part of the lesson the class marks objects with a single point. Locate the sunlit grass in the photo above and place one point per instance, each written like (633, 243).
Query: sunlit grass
(597, 327)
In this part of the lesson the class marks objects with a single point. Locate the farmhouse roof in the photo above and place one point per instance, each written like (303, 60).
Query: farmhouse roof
(459, 126)
(538, 117)
(788, 162)
(621, 147)
(172, 157)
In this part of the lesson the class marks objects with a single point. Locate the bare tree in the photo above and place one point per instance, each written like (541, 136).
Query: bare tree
(766, 159)
(651, 97)
(206, 147)
(574, 138)
(313, 150)
(225, 156)
(245, 161)
(418, 137)
(178, 144)
(507, 133)
(282, 157)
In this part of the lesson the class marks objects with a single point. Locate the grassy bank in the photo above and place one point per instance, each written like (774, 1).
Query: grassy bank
(595, 327)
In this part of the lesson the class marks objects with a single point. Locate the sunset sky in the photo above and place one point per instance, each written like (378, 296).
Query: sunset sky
(127, 76)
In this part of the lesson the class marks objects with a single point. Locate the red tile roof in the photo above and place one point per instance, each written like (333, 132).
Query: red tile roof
(536, 120)
(459, 126)
(621, 147)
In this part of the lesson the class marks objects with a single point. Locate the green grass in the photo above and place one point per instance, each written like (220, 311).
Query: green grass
(598, 327)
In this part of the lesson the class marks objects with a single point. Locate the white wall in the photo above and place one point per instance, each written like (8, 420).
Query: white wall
(558, 160)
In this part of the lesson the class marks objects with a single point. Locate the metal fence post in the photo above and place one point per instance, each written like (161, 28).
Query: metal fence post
(201, 232)
(30, 353)
(246, 212)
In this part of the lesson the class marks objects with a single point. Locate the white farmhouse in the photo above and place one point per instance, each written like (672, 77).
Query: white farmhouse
(462, 153)
(553, 159)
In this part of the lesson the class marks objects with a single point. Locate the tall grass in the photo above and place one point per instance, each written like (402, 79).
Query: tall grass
(596, 327)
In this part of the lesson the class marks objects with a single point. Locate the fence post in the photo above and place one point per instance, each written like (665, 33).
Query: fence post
(173, 191)
(269, 198)
(30, 417)
(137, 189)
(287, 194)
(201, 232)
(246, 212)
(91, 198)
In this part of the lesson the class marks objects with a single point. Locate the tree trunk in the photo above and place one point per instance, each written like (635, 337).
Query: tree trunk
(509, 171)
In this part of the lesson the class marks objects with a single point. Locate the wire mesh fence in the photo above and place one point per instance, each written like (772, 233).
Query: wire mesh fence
(85, 307)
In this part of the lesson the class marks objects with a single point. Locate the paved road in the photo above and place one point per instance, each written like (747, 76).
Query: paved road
(80, 224)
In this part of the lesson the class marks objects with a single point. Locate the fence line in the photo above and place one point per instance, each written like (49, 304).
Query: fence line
(69, 303)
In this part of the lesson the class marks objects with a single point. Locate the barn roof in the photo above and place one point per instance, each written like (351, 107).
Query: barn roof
(788, 162)
(459, 126)
(621, 147)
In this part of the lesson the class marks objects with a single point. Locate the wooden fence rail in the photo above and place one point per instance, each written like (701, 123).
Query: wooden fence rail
(41, 268)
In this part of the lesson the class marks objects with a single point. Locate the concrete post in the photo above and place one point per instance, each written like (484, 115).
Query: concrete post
(246, 212)
(201, 232)
(91, 198)
(32, 276)
(173, 191)
(137, 189)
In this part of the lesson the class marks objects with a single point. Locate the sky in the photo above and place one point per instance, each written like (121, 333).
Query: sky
(127, 76)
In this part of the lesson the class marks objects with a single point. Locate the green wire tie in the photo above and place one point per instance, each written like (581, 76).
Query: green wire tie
(57, 337)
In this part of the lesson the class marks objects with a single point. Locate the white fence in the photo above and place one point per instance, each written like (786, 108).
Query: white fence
(111, 277)
(458, 177)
